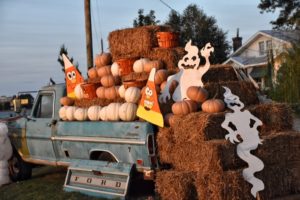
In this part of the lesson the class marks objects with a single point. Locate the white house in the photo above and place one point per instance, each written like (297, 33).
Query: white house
(252, 57)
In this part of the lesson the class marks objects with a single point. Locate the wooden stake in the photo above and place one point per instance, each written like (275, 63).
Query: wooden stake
(88, 34)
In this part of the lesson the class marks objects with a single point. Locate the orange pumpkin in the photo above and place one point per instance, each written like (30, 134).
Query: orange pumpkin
(66, 101)
(103, 71)
(102, 59)
(153, 64)
(160, 76)
(92, 73)
(184, 107)
(100, 92)
(213, 106)
(169, 119)
(111, 93)
(108, 80)
(197, 94)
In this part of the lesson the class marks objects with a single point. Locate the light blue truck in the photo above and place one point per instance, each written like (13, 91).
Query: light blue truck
(102, 156)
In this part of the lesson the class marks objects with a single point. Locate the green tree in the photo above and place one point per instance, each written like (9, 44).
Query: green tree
(194, 24)
(64, 50)
(289, 12)
(287, 88)
(144, 20)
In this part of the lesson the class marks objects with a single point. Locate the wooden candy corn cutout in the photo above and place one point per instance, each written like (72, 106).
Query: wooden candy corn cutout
(73, 77)
(149, 108)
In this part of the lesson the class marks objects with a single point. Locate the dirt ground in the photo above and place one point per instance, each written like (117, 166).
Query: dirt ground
(297, 123)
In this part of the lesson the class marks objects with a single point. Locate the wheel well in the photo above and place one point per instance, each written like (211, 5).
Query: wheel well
(103, 156)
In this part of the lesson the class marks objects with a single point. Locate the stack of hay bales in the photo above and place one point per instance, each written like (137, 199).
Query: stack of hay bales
(201, 164)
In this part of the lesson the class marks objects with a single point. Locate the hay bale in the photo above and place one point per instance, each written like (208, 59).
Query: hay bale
(280, 180)
(176, 185)
(169, 57)
(134, 42)
(219, 73)
(85, 103)
(244, 89)
(165, 144)
(275, 116)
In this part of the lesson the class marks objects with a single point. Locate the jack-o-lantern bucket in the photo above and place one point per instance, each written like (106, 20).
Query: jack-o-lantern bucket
(126, 65)
(89, 90)
(167, 39)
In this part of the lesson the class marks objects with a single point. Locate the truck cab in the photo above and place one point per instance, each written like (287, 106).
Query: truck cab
(42, 138)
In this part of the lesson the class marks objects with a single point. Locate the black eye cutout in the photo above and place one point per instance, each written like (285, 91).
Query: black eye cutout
(73, 74)
(194, 58)
(69, 75)
(186, 59)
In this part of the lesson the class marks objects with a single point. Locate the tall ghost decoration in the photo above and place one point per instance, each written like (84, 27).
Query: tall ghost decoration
(190, 73)
(73, 77)
(244, 124)
(5, 154)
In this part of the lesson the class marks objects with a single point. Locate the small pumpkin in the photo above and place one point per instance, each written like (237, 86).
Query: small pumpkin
(62, 113)
(122, 91)
(213, 106)
(102, 59)
(184, 107)
(127, 111)
(70, 110)
(66, 101)
(92, 73)
(169, 119)
(160, 76)
(111, 93)
(100, 92)
(115, 69)
(197, 94)
(78, 92)
(103, 71)
(153, 64)
(93, 113)
(108, 81)
(113, 111)
(80, 114)
(132, 95)
(103, 114)
(138, 65)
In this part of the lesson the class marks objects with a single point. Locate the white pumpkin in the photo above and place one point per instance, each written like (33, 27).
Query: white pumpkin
(62, 113)
(78, 91)
(94, 113)
(113, 111)
(103, 114)
(138, 65)
(80, 114)
(127, 111)
(122, 91)
(115, 69)
(70, 110)
(132, 95)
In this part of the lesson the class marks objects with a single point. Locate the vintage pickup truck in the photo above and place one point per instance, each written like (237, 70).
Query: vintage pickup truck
(102, 148)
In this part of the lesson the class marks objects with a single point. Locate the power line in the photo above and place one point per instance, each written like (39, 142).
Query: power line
(167, 5)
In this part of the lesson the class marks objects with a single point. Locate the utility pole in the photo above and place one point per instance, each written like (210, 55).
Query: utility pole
(88, 33)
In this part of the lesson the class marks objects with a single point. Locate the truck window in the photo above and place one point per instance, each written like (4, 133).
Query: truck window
(44, 108)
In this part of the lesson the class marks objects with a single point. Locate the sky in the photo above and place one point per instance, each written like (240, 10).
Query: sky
(32, 32)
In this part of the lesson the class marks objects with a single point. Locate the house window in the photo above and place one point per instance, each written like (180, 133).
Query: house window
(261, 48)
(269, 44)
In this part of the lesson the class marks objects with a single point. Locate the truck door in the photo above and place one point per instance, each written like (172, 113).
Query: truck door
(40, 126)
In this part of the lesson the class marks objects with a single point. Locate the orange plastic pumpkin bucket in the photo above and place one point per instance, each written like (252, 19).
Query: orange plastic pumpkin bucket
(126, 65)
(167, 39)
(89, 90)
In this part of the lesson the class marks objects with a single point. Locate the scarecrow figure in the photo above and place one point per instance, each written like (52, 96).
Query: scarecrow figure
(5, 154)
(244, 124)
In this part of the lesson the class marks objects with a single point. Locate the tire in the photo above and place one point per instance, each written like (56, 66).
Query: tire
(18, 169)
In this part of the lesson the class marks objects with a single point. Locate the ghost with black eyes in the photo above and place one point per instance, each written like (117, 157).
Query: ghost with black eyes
(190, 73)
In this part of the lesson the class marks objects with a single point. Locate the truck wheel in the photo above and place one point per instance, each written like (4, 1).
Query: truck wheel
(104, 156)
(18, 169)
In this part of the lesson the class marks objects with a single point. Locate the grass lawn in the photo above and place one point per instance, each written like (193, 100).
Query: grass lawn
(46, 183)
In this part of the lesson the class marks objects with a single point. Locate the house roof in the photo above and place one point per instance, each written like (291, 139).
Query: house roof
(249, 61)
(282, 36)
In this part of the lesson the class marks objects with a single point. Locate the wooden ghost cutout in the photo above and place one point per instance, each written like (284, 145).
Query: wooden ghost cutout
(190, 73)
(244, 124)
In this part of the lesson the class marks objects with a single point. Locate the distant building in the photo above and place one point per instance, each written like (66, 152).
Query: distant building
(253, 56)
